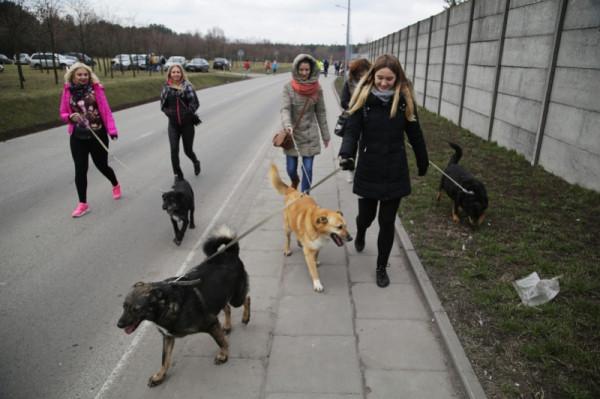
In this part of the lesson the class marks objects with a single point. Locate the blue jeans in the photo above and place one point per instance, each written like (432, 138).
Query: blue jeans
(292, 170)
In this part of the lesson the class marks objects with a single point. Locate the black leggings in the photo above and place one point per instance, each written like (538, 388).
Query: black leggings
(388, 209)
(186, 132)
(80, 149)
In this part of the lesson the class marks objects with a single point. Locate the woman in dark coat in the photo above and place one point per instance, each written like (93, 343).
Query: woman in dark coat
(382, 109)
(179, 103)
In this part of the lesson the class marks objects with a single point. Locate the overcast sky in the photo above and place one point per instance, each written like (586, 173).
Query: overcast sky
(284, 21)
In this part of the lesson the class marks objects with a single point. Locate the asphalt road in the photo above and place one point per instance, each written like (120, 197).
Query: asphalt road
(62, 280)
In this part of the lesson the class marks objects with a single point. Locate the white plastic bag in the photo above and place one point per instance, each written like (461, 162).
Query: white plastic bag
(533, 291)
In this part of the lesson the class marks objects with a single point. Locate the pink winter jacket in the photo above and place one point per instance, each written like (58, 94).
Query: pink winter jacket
(101, 102)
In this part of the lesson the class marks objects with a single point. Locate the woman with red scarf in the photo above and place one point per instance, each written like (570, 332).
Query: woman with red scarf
(304, 91)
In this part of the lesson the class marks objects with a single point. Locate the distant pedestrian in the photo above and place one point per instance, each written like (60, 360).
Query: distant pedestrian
(267, 66)
(358, 68)
(382, 109)
(336, 67)
(179, 103)
(246, 66)
(304, 89)
(84, 106)
(325, 67)
(274, 66)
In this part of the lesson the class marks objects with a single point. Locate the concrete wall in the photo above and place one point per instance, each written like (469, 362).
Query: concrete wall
(501, 83)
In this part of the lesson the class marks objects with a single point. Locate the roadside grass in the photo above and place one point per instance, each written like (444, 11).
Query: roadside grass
(36, 107)
(535, 222)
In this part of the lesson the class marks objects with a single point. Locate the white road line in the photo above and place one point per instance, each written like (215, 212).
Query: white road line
(144, 328)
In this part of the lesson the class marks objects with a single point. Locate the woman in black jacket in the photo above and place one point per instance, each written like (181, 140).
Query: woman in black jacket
(382, 109)
(179, 102)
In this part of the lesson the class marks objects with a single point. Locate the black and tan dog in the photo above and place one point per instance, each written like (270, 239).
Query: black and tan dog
(192, 304)
(313, 225)
(475, 202)
(179, 204)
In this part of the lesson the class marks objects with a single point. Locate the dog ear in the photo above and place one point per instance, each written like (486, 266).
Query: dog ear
(322, 220)
(340, 212)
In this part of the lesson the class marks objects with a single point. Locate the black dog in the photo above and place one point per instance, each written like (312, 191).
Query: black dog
(191, 305)
(475, 202)
(179, 203)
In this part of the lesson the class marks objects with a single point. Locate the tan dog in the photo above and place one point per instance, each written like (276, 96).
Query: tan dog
(313, 225)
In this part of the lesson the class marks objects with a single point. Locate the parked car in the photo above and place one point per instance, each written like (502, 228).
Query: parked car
(121, 61)
(222, 64)
(5, 60)
(197, 65)
(81, 57)
(174, 60)
(44, 60)
(139, 60)
(23, 59)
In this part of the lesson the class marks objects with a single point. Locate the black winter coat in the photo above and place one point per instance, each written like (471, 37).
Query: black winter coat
(382, 167)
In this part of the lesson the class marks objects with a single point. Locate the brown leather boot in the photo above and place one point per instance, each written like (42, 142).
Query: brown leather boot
(295, 182)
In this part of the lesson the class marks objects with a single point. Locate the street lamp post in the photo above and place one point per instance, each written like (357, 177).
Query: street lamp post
(348, 52)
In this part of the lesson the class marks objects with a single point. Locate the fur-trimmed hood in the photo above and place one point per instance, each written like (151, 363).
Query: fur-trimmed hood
(314, 69)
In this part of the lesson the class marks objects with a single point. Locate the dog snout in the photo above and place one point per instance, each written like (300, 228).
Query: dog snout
(348, 237)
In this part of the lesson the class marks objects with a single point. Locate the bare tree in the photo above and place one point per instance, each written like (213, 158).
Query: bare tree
(49, 13)
(83, 15)
(15, 17)
(453, 3)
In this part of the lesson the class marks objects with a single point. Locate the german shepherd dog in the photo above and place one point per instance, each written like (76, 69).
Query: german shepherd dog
(313, 225)
(473, 203)
(192, 304)
(179, 204)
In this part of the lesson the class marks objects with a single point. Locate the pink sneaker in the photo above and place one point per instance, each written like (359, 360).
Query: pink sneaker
(117, 192)
(82, 209)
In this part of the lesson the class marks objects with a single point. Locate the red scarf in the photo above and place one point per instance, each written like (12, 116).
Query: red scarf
(307, 89)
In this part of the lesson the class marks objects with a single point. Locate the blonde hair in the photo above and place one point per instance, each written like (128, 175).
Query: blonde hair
(183, 74)
(80, 65)
(402, 85)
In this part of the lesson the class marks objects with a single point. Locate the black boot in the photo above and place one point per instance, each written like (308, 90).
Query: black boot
(382, 277)
(197, 168)
(359, 242)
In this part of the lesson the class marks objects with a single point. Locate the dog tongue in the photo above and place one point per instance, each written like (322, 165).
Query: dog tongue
(337, 239)
(130, 329)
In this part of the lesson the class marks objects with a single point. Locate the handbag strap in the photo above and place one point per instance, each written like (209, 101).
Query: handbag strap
(301, 114)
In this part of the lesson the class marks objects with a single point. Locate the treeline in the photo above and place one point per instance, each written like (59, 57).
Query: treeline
(73, 26)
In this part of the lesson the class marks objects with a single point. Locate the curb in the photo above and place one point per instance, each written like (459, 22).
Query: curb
(459, 359)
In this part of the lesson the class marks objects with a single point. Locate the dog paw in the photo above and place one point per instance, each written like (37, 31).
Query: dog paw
(155, 380)
(177, 241)
(227, 330)
(221, 358)
(287, 253)
(192, 226)
(317, 286)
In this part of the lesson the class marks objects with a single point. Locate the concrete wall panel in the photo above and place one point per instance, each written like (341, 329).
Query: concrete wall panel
(523, 82)
(537, 19)
(530, 52)
(582, 14)
(431, 102)
(457, 34)
(486, 8)
(510, 136)
(578, 88)
(575, 165)
(460, 13)
(481, 78)
(574, 126)
(580, 49)
(518, 111)
(477, 100)
(484, 53)
(455, 54)
(451, 93)
(488, 28)
(453, 74)
(476, 123)
(449, 111)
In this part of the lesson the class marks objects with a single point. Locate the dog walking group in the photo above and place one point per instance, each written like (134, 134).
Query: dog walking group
(381, 111)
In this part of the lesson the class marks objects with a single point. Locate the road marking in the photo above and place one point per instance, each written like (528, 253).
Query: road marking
(144, 328)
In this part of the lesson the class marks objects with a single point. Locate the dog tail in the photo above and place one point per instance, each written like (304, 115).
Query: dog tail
(221, 237)
(457, 153)
(276, 181)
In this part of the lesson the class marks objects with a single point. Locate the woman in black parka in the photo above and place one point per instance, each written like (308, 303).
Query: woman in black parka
(382, 109)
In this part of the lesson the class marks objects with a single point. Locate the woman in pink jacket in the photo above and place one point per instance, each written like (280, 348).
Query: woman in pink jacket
(84, 106)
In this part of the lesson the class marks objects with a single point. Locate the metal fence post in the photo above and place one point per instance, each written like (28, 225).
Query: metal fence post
(467, 51)
(406, 47)
(498, 69)
(539, 137)
(427, 59)
(439, 110)
(415, 57)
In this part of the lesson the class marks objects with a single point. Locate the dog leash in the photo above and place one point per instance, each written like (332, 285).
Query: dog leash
(446, 175)
(251, 229)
